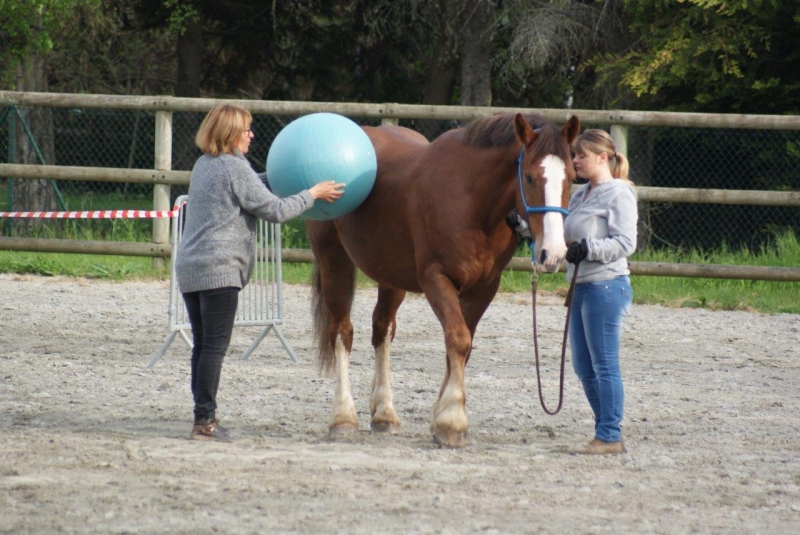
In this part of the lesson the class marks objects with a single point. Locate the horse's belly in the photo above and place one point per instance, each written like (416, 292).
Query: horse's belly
(382, 253)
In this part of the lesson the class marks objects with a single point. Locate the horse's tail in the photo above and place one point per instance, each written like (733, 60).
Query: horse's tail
(326, 355)
(322, 323)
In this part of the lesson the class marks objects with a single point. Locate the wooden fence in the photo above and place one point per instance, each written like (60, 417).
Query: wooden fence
(162, 177)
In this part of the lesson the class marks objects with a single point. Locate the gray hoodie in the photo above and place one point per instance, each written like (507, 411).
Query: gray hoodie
(226, 197)
(606, 217)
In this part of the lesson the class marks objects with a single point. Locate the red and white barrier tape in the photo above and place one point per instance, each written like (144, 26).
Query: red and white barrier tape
(96, 214)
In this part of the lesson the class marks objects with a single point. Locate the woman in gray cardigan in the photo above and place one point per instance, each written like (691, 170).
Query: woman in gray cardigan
(601, 232)
(217, 251)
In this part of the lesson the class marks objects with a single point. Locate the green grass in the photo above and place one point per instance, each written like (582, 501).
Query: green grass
(782, 250)
(715, 294)
(117, 268)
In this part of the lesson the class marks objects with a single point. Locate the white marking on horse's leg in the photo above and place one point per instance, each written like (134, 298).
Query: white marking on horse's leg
(553, 242)
(449, 415)
(344, 411)
(381, 405)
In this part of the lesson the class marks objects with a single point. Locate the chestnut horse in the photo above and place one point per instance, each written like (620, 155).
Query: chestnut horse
(434, 222)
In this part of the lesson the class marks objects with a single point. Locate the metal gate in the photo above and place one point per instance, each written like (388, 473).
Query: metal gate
(260, 302)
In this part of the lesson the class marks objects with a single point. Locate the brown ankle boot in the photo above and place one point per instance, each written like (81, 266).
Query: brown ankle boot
(601, 447)
(204, 429)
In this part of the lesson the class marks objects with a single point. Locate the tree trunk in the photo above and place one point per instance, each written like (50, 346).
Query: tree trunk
(442, 70)
(441, 75)
(476, 55)
(33, 195)
(190, 48)
(439, 84)
(190, 60)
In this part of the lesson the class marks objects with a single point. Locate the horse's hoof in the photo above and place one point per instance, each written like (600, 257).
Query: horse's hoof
(450, 439)
(385, 427)
(343, 429)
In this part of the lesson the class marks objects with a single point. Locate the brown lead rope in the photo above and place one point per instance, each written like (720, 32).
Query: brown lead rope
(568, 304)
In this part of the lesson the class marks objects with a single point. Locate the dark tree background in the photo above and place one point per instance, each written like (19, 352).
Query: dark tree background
(721, 56)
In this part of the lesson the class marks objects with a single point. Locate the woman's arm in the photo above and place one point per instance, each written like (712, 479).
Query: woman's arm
(257, 199)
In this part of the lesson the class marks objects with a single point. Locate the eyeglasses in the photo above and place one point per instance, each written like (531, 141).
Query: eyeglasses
(248, 131)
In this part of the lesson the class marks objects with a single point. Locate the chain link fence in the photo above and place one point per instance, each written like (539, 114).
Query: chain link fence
(703, 158)
(659, 156)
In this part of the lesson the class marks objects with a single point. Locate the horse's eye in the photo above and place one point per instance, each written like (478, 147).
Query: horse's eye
(529, 179)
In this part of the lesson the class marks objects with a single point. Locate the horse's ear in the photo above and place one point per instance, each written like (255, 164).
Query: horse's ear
(525, 133)
(571, 129)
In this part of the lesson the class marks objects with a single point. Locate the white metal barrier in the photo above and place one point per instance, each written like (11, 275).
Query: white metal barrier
(260, 302)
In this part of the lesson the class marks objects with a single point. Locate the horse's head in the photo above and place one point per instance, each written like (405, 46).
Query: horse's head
(545, 174)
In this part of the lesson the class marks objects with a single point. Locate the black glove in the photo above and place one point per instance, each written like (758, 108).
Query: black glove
(577, 251)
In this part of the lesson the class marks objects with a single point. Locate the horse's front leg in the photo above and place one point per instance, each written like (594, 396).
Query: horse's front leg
(449, 425)
(384, 325)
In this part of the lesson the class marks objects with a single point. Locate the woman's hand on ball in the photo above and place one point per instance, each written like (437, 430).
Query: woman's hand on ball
(327, 191)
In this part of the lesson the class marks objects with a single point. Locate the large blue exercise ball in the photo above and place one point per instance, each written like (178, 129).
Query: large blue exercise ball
(320, 147)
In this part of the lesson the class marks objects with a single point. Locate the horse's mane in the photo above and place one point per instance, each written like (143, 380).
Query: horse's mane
(498, 131)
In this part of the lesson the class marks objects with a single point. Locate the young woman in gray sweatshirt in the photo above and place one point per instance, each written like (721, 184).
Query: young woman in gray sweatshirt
(216, 254)
(600, 231)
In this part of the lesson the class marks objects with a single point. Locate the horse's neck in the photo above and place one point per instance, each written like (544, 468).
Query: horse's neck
(502, 181)
(492, 172)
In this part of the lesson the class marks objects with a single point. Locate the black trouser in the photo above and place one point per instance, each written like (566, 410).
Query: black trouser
(211, 313)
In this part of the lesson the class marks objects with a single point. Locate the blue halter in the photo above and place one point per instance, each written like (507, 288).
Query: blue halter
(533, 209)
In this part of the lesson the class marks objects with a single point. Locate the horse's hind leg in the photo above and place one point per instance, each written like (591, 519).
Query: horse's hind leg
(384, 326)
(334, 288)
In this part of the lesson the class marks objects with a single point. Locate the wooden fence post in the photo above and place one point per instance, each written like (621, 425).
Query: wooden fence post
(12, 134)
(619, 133)
(163, 162)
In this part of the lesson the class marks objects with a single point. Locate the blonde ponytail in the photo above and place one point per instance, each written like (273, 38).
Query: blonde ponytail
(619, 167)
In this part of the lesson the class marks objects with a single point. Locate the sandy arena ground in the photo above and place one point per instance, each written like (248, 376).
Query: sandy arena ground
(94, 441)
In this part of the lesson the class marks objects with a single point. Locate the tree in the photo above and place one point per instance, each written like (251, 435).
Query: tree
(709, 55)
(476, 56)
(542, 44)
(29, 31)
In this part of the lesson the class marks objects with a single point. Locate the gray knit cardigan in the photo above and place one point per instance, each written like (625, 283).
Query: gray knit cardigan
(226, 197)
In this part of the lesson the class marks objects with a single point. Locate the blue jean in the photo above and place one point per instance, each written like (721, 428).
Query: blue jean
(212, 314)
(594, 332)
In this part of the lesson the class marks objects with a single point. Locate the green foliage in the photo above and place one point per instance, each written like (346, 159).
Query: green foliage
(181, 13)
(293, 235)
(709, 55)
(29, 27)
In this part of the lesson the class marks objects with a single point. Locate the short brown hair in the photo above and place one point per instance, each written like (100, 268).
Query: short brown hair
(220, 130)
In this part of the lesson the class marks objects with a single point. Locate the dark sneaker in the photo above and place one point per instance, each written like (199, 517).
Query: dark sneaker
(209, 430)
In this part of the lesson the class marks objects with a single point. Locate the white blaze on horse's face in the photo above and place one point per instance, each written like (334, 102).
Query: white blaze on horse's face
(553, 243)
